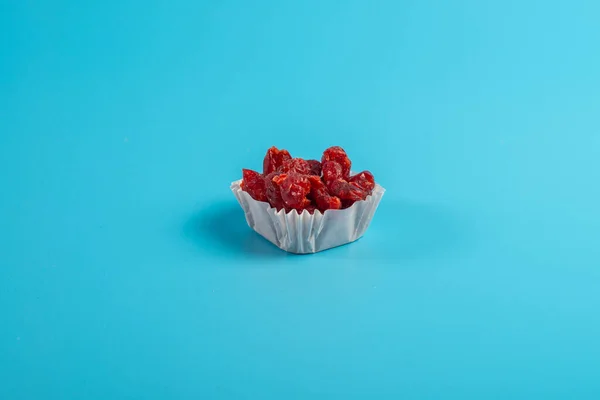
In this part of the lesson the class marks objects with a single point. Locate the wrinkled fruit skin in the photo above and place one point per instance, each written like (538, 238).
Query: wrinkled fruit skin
(321, 196)
(332, 171)
(254, 184)
(295, 165)
(294, 189)
(346, 190)
(296, 184)
(337, 154)
(274, 159)
(273, 184)
(365, 181)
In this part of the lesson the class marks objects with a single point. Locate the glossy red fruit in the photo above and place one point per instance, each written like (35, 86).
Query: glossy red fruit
(294, 189)
(364, 180)
(315, 167)
(274, 159)
(295, 165)
(332, 171)
(273, 184)
(363, 192)
(296, 184)
(254, 184)
(337, 154)
(321, 196)
(346, 191)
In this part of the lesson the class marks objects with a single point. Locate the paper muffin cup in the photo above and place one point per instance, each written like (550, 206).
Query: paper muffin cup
(308, 233)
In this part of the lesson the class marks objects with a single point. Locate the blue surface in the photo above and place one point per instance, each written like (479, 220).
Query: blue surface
(127, 269)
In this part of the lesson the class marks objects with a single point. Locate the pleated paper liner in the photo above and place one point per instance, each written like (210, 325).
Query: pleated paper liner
(308, 233)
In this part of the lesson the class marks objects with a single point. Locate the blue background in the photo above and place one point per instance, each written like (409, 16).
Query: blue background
(127, 269)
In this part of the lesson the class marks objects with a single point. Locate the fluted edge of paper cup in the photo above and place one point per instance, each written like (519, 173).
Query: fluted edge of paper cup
(308, 233)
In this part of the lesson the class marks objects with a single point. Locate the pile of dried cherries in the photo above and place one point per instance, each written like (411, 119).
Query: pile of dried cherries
(297, 184)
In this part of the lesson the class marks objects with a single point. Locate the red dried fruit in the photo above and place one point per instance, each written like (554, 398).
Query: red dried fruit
(332, 170)
(363, 192)
(337, 154)
(316, 183)
(294, 189)
(254, 184)
(273, 185)
(315, 167)
(346, 191)
(364, 180)
(322, 198)
(274, 159)
(293, 183)
(329, 203)
(297, 165)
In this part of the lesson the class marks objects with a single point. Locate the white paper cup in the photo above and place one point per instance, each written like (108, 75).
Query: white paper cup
(308, 233)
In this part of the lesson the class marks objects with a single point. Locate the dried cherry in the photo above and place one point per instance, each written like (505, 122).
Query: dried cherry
(273, 185)
(297, 184)
(337, 154)
(346, 191)
(364, 180)
(294, 189)
(332, 170)
(274, 159)
(297, 165)
(254, 184)
(321, 196)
